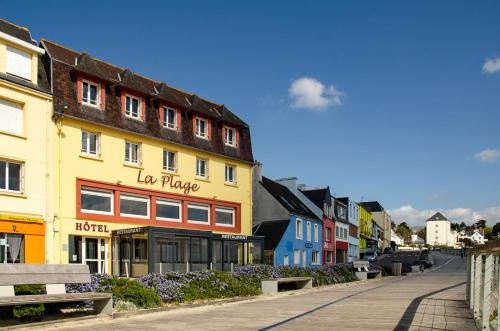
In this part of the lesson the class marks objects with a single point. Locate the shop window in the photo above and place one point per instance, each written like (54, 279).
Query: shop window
(11, 248)
(199, 254)
(90, 93)
(18, 63)
(168, 210)
(90, 251)
(296, 257)
(198, 213)
(96, 201)
(169, 118)
(169, 161)
(201, 168)
(224, 216)
(315, 257)
(298, 229)
(230, 174)
(316, 233)
(11, 176)
(90, 143)
(140, 250)
(132, 152)
(329, 256)
(12, 116)
(134, 205)
(233, 255)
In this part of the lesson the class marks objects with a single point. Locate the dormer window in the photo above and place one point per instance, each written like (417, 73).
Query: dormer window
(230, 136)
(132, 106)
(169, 118)
(90, 93)
(201, 128)
(18, 63)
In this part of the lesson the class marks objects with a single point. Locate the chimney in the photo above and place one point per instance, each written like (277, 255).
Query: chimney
(257, 171)
(301, 187)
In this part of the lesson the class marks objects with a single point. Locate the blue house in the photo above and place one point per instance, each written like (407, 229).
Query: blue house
(293, 233)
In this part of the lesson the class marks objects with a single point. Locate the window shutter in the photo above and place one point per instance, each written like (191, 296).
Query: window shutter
(98, 145)
(12, 117)
(18, 63)
(143, 108)
(103, 96)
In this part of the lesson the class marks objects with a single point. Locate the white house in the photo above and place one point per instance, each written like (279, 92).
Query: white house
(476, 236)
(438, 231)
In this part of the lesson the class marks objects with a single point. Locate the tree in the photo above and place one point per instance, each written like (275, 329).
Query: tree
(403, 230)
(463, 226)
(496, 230)
(422, 233)
(480, 224)
(488, 233)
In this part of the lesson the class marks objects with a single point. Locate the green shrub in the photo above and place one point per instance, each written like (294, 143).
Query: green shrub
(29, 289)
(132, 291)
(29, 312)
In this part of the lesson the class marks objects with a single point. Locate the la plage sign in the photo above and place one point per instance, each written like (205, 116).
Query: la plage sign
(167, 181)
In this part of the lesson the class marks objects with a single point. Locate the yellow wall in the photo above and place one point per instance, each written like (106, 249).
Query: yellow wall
(33, 148)
(110, 168)
(365, 226)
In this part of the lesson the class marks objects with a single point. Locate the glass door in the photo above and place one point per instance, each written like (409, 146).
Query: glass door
(11, 248)
(94, 254)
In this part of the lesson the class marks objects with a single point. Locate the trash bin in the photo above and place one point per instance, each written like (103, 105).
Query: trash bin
(396, 267)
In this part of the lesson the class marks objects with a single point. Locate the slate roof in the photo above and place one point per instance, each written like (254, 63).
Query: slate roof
(272, 231)
(318, 196)
(437, 217)
(16, 31)
(372, 206)
(67, 64)
(287, 199)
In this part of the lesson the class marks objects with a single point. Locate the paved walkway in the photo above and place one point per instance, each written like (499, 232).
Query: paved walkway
(429, 301)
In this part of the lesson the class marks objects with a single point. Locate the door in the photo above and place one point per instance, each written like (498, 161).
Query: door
(11, 248)
(95, 254)
(304, 259)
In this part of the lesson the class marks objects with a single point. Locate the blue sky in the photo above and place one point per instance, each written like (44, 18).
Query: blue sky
(381, 100)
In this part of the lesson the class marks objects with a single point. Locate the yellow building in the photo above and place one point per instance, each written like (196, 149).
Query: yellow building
(148, 178)
(366, 242)
(26, 139)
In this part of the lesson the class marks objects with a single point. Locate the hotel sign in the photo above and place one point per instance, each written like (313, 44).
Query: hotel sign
(168, 181)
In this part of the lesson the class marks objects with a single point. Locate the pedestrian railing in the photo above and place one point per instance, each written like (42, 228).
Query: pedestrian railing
(483, 278)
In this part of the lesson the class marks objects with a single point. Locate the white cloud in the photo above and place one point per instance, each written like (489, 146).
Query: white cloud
(488, 155)
(311, 94)
(416, 217)
(491, 65)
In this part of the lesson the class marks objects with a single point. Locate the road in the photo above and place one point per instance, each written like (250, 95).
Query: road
(429, 301)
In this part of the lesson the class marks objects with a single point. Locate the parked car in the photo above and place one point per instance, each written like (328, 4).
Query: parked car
(370, 256)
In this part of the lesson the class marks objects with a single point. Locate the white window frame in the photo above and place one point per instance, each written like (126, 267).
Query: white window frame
(308, 231)
(315, 258)
(227, 210)
(101, 193)
(21, 176)
(19, 53)
(226, 133)
(198, 173)
(139, 107)
(226, 172)
(198, 206)
(166, 124)
(298, 234)
(98, 94)
(165, 161)
(135, 197)
(197, 131)
(296, 256)
(316, 233)
(139, 147)
(97, 144)
(286, 260)
(170, 203)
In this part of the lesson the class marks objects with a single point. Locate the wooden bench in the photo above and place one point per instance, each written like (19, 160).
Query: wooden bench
(270, 286)
(54, 277)
(362, 271)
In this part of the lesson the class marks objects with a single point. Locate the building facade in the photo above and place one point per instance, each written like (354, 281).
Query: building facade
(366, 242)
(293, 233)
(438, 230)
(341, 231)
(148, 178)
(324, 200)
(382, 218)
(25, 153)
(353, 236)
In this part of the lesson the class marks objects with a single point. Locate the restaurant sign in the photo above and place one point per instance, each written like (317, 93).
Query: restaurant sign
(233, 237)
